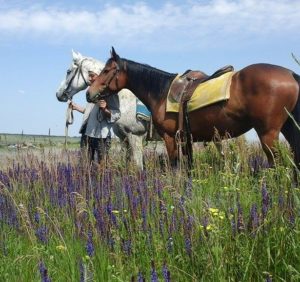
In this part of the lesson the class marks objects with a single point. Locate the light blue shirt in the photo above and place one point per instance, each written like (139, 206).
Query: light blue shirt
(98, 124)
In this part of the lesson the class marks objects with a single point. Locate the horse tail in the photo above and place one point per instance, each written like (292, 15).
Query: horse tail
(291, 128)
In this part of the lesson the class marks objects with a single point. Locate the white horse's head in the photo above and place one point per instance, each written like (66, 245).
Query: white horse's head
(77, 77)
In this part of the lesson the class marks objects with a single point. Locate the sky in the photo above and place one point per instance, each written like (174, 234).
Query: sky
(36, 39)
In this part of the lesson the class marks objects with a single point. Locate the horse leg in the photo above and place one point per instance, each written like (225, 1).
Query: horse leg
(171, 149)
(135, 149)
(268, 141)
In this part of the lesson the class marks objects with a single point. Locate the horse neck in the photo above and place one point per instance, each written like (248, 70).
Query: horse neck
(149, 84)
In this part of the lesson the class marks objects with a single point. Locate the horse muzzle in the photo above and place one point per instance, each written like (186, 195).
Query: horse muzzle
(94, 97)
(62, 97)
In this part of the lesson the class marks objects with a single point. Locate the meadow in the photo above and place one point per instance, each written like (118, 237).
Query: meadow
(235, 219)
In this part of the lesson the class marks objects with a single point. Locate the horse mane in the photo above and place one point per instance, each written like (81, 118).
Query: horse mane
(156, 80)
(92, 64)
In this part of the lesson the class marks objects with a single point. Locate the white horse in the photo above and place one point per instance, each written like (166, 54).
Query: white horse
(130, 129)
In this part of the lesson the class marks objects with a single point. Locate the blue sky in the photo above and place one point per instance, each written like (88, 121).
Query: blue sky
(36, 39)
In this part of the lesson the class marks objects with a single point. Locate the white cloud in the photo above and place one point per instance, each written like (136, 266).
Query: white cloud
(193, 18)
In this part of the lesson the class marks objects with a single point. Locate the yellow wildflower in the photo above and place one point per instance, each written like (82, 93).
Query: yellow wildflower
(213, 210)
(61, 248)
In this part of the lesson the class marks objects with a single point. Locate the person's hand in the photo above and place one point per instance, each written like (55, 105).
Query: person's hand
(73, 106)
(102, 104)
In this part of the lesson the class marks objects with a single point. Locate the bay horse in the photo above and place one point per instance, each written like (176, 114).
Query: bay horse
(262, 96)
(130, 129)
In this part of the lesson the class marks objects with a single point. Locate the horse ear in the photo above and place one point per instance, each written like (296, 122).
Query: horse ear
(114, 54)
(76, 56)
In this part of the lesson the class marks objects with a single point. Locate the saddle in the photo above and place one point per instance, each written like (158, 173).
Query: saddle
(181, 91)
(183, 86)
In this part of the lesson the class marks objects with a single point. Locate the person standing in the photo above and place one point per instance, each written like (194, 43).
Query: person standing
(99, 129)
(97, 126)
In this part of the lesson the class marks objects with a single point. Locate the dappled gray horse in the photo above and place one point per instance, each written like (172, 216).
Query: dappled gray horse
(132, 127)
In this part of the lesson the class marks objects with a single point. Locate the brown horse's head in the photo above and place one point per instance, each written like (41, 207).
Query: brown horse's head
(111, 79)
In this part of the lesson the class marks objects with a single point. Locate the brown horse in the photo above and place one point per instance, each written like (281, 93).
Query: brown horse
(261, 97)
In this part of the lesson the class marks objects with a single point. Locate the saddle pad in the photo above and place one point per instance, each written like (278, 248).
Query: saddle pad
(142, 111)
(206, 93)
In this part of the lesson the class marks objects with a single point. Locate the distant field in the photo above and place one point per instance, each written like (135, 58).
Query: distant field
(17, 147)
(11, 141)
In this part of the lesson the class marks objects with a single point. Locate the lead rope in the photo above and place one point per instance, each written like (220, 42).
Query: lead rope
(69, 119)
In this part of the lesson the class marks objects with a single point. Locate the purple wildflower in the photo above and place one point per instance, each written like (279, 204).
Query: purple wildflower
(37, 217)
(188, 246)
(44, 273)
(159, 187)
(254, 218)
(4, 178)
(256, 163)
(42, 234)
(127, 246)
(98, 213)
(81, 270)
(154, 276)
(140, 277)
(89, 245)
(144, 217)
(189, 187)
(111, 243)
(166, 273)
(292, 218)
(85, 273)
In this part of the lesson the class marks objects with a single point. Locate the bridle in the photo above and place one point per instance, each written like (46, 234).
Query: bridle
(100, 94)
(78, 71)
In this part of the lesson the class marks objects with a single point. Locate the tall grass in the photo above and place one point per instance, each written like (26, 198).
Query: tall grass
(234, 220)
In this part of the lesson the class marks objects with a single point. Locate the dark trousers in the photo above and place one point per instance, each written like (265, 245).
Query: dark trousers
(83, 141)
(98, 148)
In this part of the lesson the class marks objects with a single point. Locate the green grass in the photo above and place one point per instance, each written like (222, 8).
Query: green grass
(238, 222)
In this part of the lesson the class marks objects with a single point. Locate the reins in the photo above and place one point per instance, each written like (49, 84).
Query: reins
(69, 119)
(69, 112)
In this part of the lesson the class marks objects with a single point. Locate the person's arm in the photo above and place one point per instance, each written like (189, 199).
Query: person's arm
(77, 107)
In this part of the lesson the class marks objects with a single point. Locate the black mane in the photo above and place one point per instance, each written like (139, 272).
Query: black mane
(155, 80)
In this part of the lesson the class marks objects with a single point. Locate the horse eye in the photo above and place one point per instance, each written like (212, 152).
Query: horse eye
(68, 72)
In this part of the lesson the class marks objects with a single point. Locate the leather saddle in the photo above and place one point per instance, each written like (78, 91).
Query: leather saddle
(183, 87)
(181, 91)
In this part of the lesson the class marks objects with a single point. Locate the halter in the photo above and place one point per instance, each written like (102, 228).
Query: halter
(77, 72)
(99, 95)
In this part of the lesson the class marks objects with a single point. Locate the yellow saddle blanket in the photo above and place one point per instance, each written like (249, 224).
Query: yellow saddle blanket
(206, 93)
